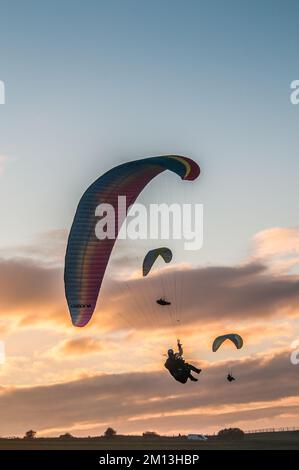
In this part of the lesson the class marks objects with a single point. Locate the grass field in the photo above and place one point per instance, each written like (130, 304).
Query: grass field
(269, 441)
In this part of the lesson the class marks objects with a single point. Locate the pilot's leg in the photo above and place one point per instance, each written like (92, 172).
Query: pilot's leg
(193, 379)
(194, 369)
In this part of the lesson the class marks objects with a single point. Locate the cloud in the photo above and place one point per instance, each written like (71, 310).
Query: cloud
(266, 388)
(46, 248)
(278, 247)
(33, 293)
(212, 294)
(23, 282)
(258, 299)
(75, 347)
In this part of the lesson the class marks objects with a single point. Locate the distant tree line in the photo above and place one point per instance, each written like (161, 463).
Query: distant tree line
(231, 434)
(110, 433)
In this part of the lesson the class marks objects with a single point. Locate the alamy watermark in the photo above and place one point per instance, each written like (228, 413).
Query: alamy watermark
(294, 358)
(294, 97)
(153, 222)
(2, 92)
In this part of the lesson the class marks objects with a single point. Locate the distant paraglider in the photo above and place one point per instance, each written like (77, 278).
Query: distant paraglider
(149, 261)
(87, 256)
(151, 257)
(230, 378)
(234, 337)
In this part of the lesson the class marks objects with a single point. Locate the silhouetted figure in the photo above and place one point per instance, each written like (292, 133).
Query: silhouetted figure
(230, 378)
(178, 368)
(163, 302)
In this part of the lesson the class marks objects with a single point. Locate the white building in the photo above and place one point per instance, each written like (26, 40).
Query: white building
(197, 437)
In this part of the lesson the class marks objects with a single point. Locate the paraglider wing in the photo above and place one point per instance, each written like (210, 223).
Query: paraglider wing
(86, 256)
(234, 337)
(151, 257)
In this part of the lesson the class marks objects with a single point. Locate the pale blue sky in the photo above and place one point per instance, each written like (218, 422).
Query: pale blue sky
(92, 84)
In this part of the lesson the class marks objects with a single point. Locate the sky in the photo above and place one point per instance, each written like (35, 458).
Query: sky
(93, 84)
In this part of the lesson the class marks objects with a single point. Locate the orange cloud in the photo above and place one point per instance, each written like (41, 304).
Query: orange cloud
(47, 248)
(78, 347)
(266, 389)
(33, 294)
(278, 247)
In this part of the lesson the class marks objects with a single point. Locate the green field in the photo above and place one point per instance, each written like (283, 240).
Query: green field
(270, 441)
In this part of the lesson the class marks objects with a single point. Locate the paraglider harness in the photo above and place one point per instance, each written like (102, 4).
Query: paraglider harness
(178, 369)
(163, 302)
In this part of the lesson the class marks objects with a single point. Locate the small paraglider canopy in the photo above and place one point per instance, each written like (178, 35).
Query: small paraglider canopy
(151, 257)
(234, 337)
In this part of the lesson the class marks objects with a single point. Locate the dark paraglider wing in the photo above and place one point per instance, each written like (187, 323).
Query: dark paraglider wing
(86, 256)
(151, 257)
(234, 337)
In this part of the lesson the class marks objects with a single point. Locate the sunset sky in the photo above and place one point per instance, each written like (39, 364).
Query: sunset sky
(93, 84)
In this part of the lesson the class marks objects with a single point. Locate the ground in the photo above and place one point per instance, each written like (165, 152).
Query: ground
(271, 441)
